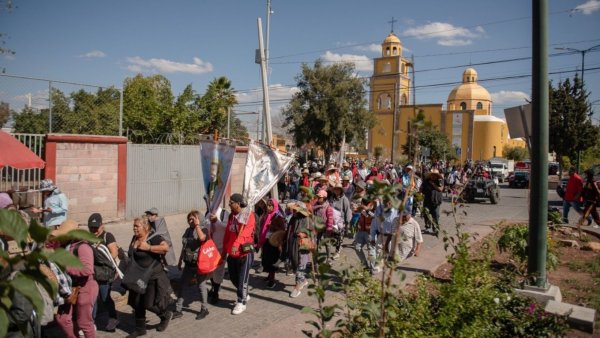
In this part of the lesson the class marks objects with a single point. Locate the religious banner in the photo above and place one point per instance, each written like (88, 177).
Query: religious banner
(217, 160)
(264, 168)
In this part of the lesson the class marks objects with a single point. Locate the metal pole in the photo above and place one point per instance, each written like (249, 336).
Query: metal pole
(121, 112)
(268, 30)
(266, 105)
(538, 212)
(228, 121)
(49, 107)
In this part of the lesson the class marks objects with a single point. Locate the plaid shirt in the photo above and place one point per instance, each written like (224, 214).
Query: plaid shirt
(64, 284)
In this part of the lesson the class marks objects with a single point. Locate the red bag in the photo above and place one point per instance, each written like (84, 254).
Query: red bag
(209, 257)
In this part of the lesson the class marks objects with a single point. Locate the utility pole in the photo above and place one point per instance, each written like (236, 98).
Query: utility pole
(538, 212)
(395, 120)
(265, 86)
(582, 52)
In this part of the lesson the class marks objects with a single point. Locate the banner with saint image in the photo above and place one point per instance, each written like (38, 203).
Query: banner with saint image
(217, 160)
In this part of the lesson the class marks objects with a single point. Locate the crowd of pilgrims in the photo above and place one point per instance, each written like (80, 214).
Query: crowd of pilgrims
(317, 203)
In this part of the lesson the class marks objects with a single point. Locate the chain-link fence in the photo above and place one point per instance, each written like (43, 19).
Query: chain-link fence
(40, 106)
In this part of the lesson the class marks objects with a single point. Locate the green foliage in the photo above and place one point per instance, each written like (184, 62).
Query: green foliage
(30, 121)
(515, 153)
(152, 115)
(4, 113)
(571, 129)
(330, 104)
(426, 135)
(475, 303)
(514, 240)
(21, 273)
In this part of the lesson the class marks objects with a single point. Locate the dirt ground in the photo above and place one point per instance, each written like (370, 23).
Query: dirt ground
(577, 274)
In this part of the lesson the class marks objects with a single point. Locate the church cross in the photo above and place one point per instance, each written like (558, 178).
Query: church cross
(392, 22)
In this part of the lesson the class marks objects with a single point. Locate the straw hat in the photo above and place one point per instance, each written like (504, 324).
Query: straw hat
(63, 229)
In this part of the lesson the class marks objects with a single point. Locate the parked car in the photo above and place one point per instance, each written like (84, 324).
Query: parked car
(519, 179)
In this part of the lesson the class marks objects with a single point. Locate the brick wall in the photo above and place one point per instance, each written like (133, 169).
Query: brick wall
(90, 170)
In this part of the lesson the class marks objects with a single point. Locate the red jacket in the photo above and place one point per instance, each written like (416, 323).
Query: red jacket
(574, 187)
(234, 239)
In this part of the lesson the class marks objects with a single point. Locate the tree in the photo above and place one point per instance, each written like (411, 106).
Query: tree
(330, 104)
(147, 104)
(218, 100)
(515, 153)
(571, 129)
(430, 137)
(30, 121)
(4, 113)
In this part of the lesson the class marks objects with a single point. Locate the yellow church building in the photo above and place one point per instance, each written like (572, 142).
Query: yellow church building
(467, 121)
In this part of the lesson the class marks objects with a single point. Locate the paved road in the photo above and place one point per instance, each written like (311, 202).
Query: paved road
(271, 312)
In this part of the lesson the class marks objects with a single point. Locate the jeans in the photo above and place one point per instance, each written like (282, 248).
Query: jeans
(567, 205)
(188, 273)
(303, 266)
(366, 255)
(105, 301)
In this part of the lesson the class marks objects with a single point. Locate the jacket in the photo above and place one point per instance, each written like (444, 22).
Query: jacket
(234, 238)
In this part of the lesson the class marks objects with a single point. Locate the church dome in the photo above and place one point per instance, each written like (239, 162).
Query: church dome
(469, 94)
(391, 38)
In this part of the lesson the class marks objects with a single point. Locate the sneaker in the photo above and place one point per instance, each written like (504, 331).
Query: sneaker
(239, 308)
(247, 298)
(595, 226)
(271, 284)
(111, 326)
(295, 293)
(203, 313)
(303, 284)
(177, 314)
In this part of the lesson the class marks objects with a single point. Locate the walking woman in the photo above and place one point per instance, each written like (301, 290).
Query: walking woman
(84, 287)
(146, 250)
(271, 249)
(192, 238)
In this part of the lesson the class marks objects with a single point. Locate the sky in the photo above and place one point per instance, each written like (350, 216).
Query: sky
(193, 42)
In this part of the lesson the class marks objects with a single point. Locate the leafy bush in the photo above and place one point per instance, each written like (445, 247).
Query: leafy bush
(21, 273)
(474, 303)
(514, 240)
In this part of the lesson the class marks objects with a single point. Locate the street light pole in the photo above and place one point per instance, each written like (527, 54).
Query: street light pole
(582, 52)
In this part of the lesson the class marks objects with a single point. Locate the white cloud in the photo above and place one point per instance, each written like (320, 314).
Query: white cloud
(588, 7)
(138, 64)
(375, 48)
(505, 97)
(445, 33)
(361, 62)
(93, 54)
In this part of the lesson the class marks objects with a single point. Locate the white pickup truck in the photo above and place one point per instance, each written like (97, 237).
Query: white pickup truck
(499, 170)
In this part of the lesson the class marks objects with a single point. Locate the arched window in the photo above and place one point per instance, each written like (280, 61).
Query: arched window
(387, 51)
(395, 51)
(463, 106)
(479, 105)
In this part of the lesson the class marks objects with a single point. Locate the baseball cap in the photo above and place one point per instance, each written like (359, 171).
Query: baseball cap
(238, 198)
(152, 211)
(95, 220)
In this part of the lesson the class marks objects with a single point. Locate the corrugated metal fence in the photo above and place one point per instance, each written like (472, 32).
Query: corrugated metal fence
(167, 177)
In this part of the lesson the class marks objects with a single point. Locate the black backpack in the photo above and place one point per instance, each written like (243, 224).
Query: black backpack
(104, 268)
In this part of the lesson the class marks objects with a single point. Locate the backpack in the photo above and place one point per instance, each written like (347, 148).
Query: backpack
(105, 268)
